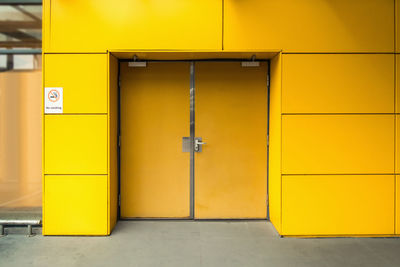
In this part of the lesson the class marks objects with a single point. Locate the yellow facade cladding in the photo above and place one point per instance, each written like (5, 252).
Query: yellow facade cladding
(338, 139)
(275, 144)
(334, 143)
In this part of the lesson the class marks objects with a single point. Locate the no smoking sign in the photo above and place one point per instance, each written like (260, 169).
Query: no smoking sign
(53, 100)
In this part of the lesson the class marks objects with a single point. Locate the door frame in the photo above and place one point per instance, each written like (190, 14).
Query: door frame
(192, 90)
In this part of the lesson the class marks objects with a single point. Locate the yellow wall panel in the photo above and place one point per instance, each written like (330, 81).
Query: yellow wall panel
(83, 78)
(338, 83)
(275, 154)
(338, 205)
(75, 144)
(310, 26)
(75, 205)
(337, 144)
(113, 140)
(98, 25)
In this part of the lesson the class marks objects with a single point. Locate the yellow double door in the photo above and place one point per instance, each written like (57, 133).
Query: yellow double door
(225, 105)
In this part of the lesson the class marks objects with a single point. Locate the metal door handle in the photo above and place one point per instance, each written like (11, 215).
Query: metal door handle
(197, 144)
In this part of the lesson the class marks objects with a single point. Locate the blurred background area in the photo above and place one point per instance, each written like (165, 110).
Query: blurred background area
(20, 107)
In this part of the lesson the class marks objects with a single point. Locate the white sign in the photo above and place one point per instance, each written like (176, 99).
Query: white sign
(53, 100)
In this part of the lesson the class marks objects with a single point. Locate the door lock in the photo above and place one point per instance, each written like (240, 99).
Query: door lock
(198, 144)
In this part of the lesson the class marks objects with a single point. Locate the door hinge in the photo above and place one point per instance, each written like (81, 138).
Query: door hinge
(119, 140)
(267, 140)
(119, 200)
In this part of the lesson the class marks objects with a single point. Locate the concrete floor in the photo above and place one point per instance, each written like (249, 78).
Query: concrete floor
(194, 243)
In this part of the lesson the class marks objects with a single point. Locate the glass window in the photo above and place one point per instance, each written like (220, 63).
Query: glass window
(20, 108)
(20, 26)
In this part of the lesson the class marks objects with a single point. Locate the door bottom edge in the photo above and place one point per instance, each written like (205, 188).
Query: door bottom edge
(154, 218)
(189, 219)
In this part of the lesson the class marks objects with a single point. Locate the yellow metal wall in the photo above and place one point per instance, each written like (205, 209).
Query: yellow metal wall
(113, 140)
(75, 205)
(275, 141)
(310, 26)
(334, 138)
(337, 205)
(77, 147)
(100, 25)
(337, 126)
(338, 140)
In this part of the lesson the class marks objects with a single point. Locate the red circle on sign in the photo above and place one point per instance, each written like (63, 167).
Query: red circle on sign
(53, 95)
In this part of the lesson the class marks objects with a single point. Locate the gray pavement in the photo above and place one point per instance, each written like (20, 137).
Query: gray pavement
(195, 243)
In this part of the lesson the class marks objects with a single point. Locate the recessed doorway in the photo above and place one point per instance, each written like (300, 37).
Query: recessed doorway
(193, 138)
